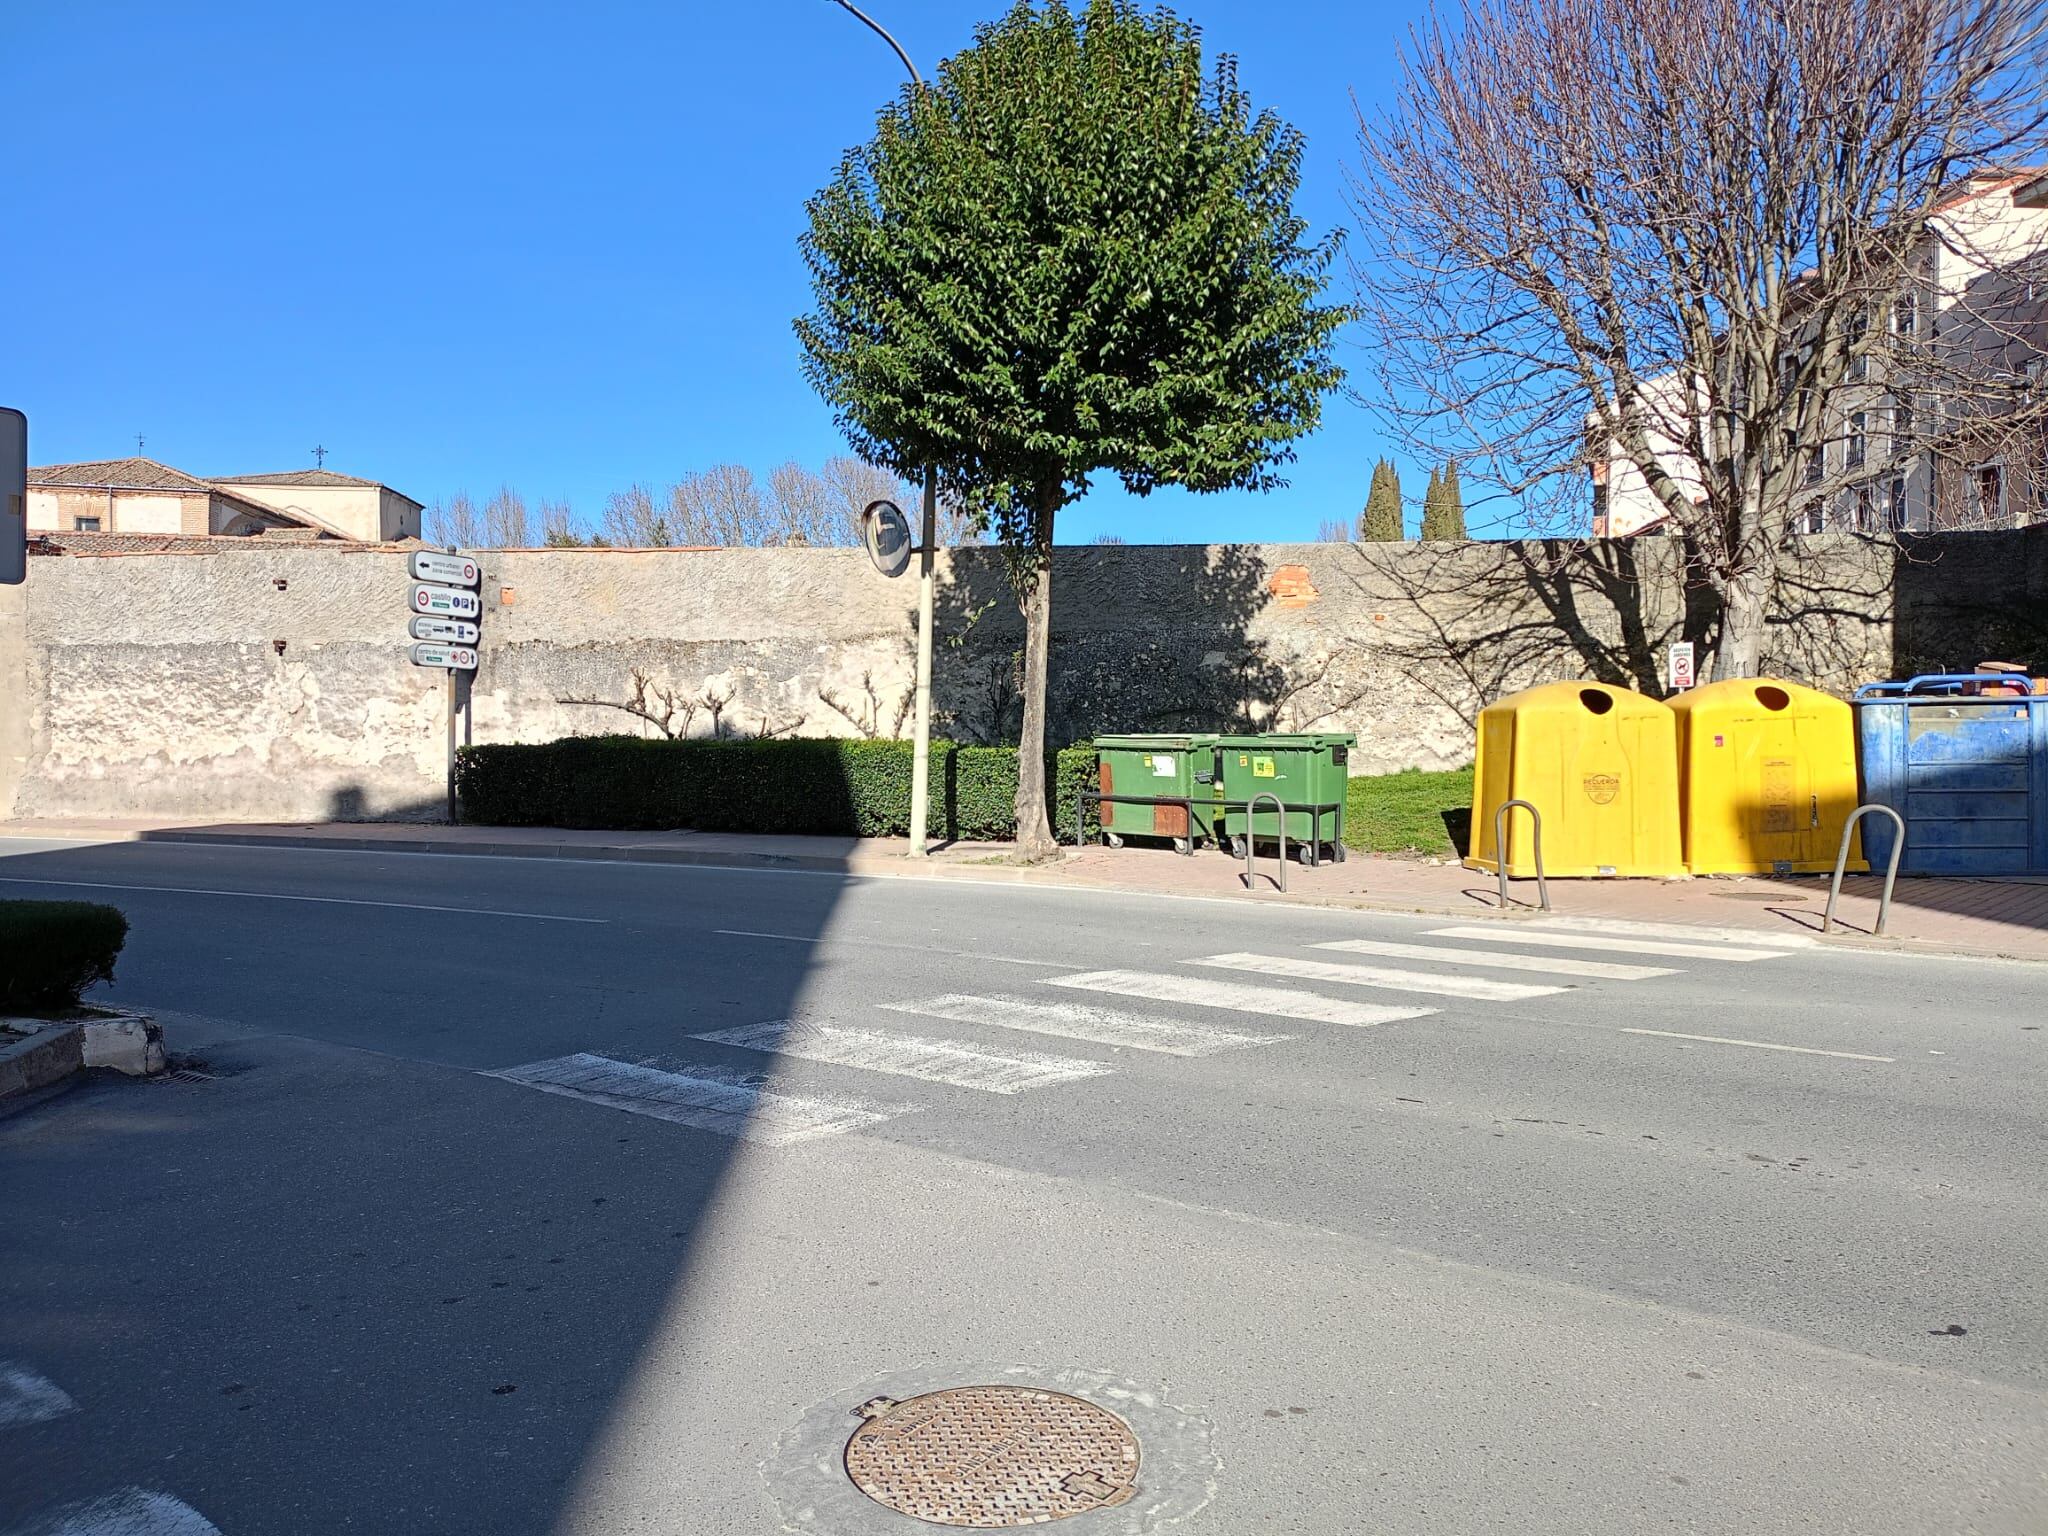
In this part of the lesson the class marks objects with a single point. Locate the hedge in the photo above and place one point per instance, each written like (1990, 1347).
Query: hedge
(51, 951)
(821, 786)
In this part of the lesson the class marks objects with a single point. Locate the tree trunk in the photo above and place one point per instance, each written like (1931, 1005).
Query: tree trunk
(1740, 652)
(1034, 827)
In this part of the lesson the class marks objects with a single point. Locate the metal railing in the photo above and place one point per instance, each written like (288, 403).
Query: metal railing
(1251, 843)
(1891, 873)
(1500, 849)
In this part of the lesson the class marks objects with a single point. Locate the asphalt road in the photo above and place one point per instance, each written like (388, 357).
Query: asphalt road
(470, 1228)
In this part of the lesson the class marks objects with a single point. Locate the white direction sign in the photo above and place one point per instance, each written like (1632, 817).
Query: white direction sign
(458, 657)
(1681, 666)
(453, 570)
(452, 631)
(444, 602)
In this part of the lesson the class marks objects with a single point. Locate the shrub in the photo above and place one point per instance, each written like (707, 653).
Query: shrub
(819, 786)
(51, 951)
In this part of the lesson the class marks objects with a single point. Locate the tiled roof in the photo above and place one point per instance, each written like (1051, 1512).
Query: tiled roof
(118, 475)
(299, 477)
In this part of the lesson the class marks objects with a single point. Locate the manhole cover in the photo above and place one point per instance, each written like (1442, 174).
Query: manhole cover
(992, 1457)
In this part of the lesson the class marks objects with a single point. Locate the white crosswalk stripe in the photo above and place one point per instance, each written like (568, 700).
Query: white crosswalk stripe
(1500, 959)
(1477, 988)
(1201, 992)
(934, 1061)
(1547, 938)
(125, 1512)
(29, 1398)
(1080, 1021)
(727, 1103)
(1693, 933)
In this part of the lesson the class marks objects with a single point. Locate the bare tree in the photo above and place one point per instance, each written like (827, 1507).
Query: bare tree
(632, 520)
(805, 509)
(458, 521)
(855, 484)
(1336, 530)
(505, 520)
(558, 526)
(1669, 236)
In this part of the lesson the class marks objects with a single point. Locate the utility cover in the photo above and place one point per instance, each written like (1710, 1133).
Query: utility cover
(990, 1458)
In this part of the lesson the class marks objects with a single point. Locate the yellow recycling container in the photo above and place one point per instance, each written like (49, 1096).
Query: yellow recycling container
(1599, 762)
(1766, 778)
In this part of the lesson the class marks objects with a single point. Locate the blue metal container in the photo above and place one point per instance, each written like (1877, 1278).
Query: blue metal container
(1965, 762)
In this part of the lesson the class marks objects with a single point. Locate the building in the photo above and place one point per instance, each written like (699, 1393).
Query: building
(360, 509)
(142, 496)
(1941, 425)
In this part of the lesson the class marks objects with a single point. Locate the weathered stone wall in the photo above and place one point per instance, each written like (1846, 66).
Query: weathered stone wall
(272, 682)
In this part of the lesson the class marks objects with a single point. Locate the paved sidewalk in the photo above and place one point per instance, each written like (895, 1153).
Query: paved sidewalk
(2006, 917)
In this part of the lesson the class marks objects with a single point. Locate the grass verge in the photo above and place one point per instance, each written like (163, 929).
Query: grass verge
(1403, 813)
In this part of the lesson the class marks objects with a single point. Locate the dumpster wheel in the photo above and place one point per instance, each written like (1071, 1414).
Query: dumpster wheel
(1113, 839)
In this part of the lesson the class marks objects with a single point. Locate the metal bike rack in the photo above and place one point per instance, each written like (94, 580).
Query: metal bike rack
(1500, 850)
(1891, 874)
(1251, 843)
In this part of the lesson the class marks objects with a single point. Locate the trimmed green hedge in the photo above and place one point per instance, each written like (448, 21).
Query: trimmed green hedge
(827, 786)
(51, 951)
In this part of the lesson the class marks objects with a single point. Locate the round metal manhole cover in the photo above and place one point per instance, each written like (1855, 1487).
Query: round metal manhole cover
(989, 1458)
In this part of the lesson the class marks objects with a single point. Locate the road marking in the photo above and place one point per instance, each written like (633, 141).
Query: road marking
(29, 1398)
(1759, 1045)
(1080, 1021)
(1684, 932)
(128, 1512)
(933, 1061)
(1524, 933)
(1554, 965)
(335, 901)
(1478, 988)
(924, 949)
(1280, 1002)
(730, 1104)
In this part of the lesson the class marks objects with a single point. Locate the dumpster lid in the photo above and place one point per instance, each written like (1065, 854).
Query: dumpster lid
(1158, 742)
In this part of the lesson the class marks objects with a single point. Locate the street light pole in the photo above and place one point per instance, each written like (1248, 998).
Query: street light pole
(921, 730)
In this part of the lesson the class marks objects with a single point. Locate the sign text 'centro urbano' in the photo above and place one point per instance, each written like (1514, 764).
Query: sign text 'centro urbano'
(445, 602)
(448, 631)
(451, 570)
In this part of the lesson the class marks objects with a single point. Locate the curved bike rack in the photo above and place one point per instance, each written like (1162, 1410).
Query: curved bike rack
(1251, 843)
(1891, 874)
(1500, 850)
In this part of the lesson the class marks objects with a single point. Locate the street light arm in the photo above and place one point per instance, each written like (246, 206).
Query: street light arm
(882, 32)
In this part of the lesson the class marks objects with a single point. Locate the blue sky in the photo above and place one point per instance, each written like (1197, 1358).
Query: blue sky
(546, 245)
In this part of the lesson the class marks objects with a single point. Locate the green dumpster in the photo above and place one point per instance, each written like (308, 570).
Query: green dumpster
(1307, 771)
(1160, 786)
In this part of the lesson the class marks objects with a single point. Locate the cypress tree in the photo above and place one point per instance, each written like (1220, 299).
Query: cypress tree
(1382, 520)
(1432, 506)
(1443, 512)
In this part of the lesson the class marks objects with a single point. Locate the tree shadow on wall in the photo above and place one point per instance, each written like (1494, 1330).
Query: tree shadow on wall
(1963, 598)
(1144, 638)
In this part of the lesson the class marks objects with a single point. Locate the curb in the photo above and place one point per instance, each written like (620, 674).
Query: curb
(902, 867)
(40, 1061)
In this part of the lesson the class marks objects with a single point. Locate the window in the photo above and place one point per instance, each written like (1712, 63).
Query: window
(1987, 487)
(1906, 314)
(1895, 503)
(1866, 510)
(1854, 341)
(1816, 465)
(85, 524)
(1859, 438)
(1902, 426)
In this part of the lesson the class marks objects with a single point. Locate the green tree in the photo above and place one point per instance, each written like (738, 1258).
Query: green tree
(1382, 520)
(1443, 510)
(1076, 253)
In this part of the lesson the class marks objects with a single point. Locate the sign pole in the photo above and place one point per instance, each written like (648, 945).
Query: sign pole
(921, 732)
(451, 746)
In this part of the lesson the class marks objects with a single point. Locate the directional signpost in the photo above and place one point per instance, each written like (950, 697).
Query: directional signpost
(453, 631)
(443, 599)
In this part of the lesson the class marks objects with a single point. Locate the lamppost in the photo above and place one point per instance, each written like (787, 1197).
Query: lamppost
(921, 729)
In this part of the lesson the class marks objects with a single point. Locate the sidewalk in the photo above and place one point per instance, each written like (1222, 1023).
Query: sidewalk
(2007, 918)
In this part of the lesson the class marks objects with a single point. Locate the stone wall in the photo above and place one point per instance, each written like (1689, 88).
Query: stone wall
(272, 682)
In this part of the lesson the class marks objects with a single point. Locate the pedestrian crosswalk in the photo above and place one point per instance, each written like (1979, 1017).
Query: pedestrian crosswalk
(29, 1397)
(1180, 1009)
